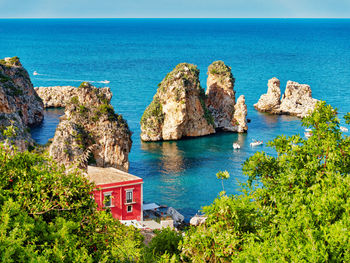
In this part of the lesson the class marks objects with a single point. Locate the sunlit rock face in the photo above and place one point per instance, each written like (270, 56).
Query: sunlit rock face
(20, 106)
(59, 96)
(297, 99)
(178, 108)
(220, 101)
(91, 132)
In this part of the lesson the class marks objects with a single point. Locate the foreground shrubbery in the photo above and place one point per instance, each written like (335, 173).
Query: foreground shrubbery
(49, 216)
(300, 214)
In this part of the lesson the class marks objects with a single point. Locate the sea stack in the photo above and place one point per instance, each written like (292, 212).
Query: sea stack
(297, 99)
(221, 99)
(91, 132)
(178, 108)
(20, 106)
(270, 101)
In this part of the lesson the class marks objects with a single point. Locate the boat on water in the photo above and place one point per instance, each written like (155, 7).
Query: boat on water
(35, 73)
(308, 133)
(256, 143)
(105, 81)
(344, 129)
(236, 145)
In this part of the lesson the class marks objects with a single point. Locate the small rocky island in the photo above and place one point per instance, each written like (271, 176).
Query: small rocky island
(228, 115)
(60, 96)
(20, 106)
(297, 99)
(180, 108)
(90, 132)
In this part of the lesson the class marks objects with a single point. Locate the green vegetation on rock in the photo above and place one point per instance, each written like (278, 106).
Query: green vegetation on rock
(14, 61)
(153, 112)
(207, 113)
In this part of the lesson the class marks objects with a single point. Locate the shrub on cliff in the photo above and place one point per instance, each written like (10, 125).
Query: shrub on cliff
(294, 208)
(49, 216)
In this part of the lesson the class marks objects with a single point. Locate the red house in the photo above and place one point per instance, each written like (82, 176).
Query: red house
(119, 191)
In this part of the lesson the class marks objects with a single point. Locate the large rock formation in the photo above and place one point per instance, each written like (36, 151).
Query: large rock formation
(20, 106)
(270, 101)
(296, 100)
(59, 96)
(178, 108)
(91, 132)
(221, 99)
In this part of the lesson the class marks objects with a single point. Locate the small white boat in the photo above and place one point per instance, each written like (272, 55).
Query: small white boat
(308, 133)
(344, 129)
(236, 145)
(256, 143)
(35, 73)
(105, 81)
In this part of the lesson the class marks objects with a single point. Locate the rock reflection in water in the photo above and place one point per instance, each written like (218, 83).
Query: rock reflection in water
(171, 160)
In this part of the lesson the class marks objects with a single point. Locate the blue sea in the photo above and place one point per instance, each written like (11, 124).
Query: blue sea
(136, 54)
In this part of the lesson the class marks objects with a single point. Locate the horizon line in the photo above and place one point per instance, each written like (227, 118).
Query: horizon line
(174, 17)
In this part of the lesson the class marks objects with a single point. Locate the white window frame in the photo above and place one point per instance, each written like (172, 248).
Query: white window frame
(105, 194)
(127, 209)
(127, 191)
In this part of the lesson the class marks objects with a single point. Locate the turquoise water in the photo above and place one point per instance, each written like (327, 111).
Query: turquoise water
(135, 55)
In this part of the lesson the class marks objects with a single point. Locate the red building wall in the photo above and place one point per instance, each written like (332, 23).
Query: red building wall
(118, 200)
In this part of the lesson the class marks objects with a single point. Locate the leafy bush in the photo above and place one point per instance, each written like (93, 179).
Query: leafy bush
(165, 245)
(295, 206)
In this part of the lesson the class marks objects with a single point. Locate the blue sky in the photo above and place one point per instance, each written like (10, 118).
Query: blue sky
(174, 8)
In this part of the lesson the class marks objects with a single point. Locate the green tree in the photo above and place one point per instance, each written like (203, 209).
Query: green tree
(48, 215)
(223, 175)
(295, 206)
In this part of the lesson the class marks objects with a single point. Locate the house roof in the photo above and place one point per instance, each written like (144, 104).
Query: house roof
(110, 175)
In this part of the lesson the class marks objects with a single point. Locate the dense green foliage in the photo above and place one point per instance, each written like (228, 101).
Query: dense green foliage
(294, 208)
(48, 215)
(165, 245)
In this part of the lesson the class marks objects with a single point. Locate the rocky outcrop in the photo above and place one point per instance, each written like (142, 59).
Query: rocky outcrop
(59, 96)
(91, 132)
(297, 99)
(20, 106)
(240, 115)
(21, 96)
(221, 99)
(178, 108)
(270, 101)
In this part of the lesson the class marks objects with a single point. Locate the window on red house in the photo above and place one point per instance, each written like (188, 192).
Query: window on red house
(129, 208)
(129, 196)
(107, 201)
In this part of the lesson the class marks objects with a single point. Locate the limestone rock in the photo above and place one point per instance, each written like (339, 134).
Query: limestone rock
(270, 101)
(20, 106)
(220, 95)
(198, 220)
(59, 96)
(21, 96)
(240, 115)
(297, 99)
(178, 108)
(221, 99)
(91, 132)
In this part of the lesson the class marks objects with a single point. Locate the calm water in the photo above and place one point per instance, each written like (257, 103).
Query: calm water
(135, 55)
